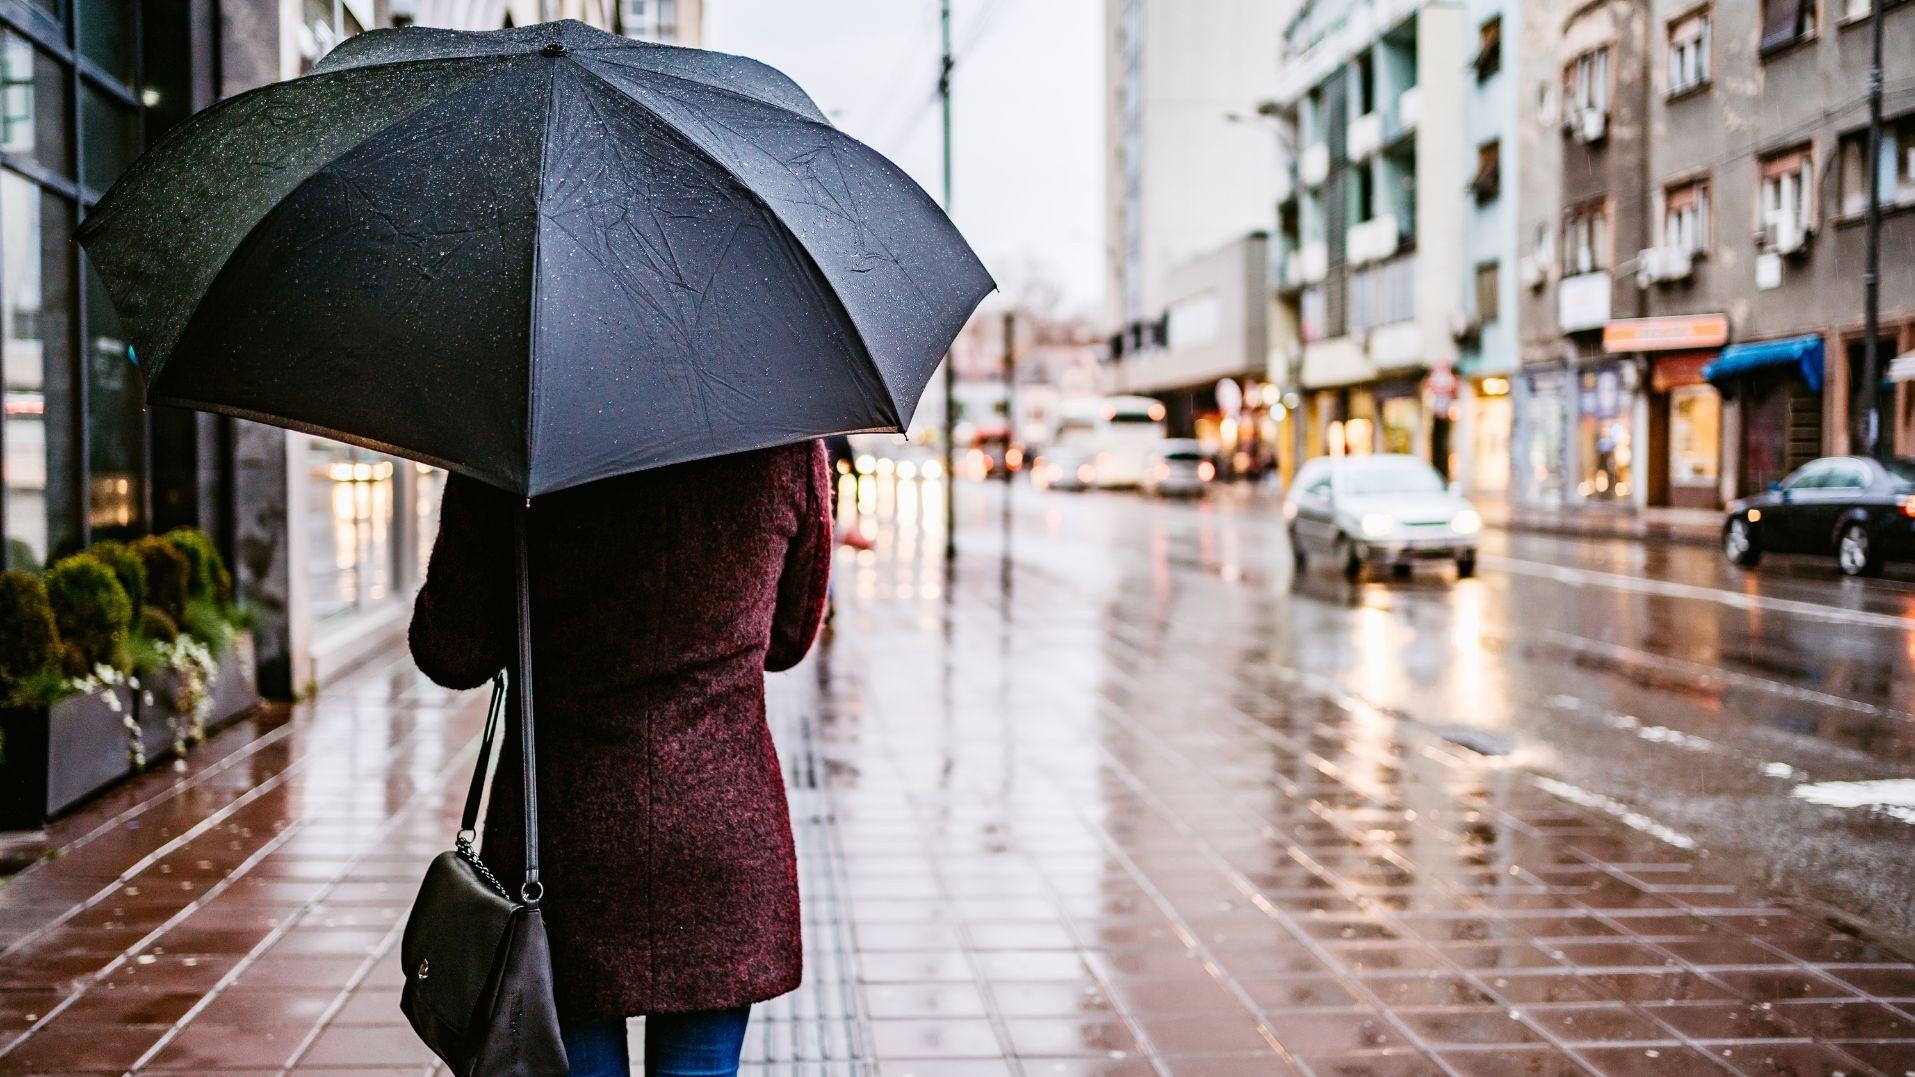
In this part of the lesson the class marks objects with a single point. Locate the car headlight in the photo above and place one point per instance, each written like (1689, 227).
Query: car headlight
(1466, 522)
(1377, 524)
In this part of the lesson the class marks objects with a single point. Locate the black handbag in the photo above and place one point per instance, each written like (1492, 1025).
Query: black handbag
(478, 970)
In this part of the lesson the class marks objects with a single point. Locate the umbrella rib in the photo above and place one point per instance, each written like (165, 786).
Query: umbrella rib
(534, 309)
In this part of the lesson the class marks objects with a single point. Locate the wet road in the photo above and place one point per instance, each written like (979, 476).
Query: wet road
(1761, 720)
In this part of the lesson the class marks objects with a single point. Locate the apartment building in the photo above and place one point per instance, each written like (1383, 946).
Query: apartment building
(1486, 270)
(1369, 233)
(1190, 179)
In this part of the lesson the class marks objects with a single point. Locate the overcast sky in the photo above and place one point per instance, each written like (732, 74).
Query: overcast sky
(1028, 111)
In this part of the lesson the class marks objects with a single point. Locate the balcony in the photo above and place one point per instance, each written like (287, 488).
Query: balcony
(1313, 166)
(1406, 115)
(1365, 136)
(1313, 262)
(1582, 301)
(1375, 239)
(1286, 182)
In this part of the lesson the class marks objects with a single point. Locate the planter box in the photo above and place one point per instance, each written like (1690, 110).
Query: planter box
(232, 690)
(52, 758)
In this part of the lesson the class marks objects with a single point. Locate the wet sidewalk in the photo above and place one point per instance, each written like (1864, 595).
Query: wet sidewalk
(1039, 834)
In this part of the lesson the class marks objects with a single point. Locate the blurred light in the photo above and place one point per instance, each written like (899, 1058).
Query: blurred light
(1207, 470)
(1908, 509)
(933, 469)
(1755, 515)
(1014, 458)
(907, 470)
(1494, 387)
(1271, 395)
(1378, 524)
(1156, 413)
(1466, 522)
(1289, 510)
(1241, 462)
(885, 465)
(150, 97)
(866, 464)
(1086, 474)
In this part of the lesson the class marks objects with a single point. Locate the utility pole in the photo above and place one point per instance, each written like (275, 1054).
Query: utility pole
(950, 368)
(1876, 444)
(1010, 393)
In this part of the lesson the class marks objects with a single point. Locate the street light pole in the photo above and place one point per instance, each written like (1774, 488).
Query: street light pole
(950, 371)
(1875, 443)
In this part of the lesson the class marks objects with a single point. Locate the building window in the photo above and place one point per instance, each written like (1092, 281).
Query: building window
(1685, 217)
(1489, 172)
(1784, 22)
(35, 316)
(1586, 238)
(1488, 290)
(1489, 48)
(35, 114)
(1896, 184)
(1688, 52)
(1363, 102)
(1586, 83)
(1787, 198)
(1362, 193)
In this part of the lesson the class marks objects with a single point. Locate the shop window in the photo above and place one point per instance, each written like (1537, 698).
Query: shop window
(1695, 436)
(1787, 199)
(1608, 449)
(1586, 239)
(110, 135)
(1685, 217)
(1489, 48)
(1688, 52)
(35, 115)
(1402, 416)
(1488, 291)
(1784, 22)
(106, 36)
(36, 302)
(1489, 172)
(115, 426)
(1896, 183)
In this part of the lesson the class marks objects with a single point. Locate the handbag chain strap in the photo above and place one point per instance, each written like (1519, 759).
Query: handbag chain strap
(531, 890)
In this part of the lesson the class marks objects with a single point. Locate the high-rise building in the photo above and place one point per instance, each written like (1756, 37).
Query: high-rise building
(1190, 185)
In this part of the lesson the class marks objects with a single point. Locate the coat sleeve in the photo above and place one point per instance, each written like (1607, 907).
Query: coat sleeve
(463, 624)
(801, 586)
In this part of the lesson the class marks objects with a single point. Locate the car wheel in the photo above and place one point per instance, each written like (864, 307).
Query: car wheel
(1855, 554)
(1352, 564)
(1297, 558)
(1466, 566)
(1739, 544)
(1401, 572)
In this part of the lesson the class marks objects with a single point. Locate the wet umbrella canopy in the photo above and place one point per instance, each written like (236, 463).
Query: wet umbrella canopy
(539, 256)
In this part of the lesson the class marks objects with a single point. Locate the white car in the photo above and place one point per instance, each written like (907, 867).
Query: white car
(1176, 467)
(1379, 510)
(1064, 467)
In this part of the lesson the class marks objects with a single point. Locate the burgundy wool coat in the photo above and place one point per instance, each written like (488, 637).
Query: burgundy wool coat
(658, 601)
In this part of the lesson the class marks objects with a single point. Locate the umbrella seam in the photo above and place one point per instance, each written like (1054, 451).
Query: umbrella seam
(535, 310)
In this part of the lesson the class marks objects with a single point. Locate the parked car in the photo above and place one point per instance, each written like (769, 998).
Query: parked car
(1859, 510)
(1064, 467)
(1176, 467)
(1379, 510)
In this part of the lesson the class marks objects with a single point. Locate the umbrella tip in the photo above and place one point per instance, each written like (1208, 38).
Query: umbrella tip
(556, 48)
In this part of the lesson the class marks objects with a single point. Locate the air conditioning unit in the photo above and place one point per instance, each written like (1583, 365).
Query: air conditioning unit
(1532, 272)
(1464, 326)
(1592, 124)
(1663, 264)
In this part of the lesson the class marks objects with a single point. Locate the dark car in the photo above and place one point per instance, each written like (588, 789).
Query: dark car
(1860, 510)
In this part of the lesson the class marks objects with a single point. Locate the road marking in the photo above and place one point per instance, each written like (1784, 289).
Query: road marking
(1894, 797)
(1670, 589)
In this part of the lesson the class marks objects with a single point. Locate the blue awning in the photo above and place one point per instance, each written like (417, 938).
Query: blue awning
(1739, 359)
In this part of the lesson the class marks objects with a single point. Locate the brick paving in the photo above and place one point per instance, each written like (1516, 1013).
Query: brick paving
(1045, 827)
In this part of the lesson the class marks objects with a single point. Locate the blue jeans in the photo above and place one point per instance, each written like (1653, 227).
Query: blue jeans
(703, 1043)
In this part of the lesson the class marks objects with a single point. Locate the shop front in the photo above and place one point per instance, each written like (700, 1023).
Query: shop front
(1682, 465)
(1606, 449)
(1540, 458)
(1776, 389)
(1490, 413)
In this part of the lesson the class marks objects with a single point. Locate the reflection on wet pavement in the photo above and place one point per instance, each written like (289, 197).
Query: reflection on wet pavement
(1129, 801)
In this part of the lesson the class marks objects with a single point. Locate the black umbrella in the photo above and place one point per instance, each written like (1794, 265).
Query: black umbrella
(538, 256)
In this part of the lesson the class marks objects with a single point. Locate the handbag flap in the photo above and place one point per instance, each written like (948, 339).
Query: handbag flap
(452, 940)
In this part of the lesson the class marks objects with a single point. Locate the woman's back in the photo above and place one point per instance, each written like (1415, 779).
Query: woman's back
(658, 600)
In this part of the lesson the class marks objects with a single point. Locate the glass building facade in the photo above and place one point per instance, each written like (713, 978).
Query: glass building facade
(84, 86)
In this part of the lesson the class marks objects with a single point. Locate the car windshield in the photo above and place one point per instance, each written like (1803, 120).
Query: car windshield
(1394, 477)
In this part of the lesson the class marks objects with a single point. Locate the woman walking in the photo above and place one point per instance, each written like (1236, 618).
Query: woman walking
(659, 599)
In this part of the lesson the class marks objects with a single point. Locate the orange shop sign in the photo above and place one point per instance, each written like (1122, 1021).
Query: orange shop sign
(1685, 332)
